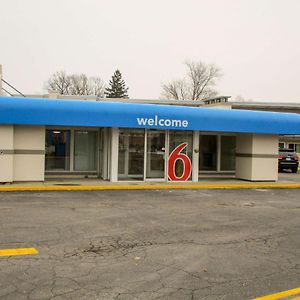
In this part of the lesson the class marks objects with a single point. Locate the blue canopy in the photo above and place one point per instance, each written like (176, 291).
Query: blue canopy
(52, 112)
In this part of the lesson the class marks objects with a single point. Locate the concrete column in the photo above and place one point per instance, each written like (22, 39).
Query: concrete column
(106, 154)
(257, 157)
(114, 157)
(218, 153)
(195, 160)
(29, 153)
(6, 153)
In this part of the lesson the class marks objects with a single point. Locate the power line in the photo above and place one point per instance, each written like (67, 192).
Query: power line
(6, 91)
(12, 88)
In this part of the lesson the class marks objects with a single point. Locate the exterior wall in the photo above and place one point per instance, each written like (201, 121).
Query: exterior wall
(223, 105)
(29, 153)
(257, 157)
(6, 153)
(195, 165)
(114, 153)
(1, 90)
(23, 155)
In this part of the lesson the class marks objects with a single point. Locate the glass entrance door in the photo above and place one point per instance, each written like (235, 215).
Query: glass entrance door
(85, 150)
(208, 153)
(155, 164)
(57, 156)
(131, 154)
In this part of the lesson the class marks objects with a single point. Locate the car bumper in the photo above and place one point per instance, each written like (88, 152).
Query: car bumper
(288, 165)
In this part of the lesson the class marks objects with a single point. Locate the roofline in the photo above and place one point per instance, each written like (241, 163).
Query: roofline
(130, 100)
(265, 104)
(59, 112)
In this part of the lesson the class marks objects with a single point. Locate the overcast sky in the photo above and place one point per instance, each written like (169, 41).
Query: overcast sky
(256, 43)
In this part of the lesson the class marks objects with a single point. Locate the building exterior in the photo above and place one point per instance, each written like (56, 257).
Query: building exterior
(136, 140)
(285, 141)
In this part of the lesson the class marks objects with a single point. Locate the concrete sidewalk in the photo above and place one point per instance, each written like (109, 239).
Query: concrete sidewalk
(286, 180)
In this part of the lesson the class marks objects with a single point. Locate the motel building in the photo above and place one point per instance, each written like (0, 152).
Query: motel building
(128, 140)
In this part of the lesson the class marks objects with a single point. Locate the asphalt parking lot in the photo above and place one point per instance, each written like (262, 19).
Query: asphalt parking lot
(287, 176)
(156, 244)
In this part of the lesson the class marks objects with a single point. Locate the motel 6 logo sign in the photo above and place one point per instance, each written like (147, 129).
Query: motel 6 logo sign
(186, 162)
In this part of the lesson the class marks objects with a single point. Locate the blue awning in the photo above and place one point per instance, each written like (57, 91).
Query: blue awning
(52, 112)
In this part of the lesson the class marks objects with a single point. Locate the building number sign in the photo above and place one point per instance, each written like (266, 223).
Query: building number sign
(187, 165)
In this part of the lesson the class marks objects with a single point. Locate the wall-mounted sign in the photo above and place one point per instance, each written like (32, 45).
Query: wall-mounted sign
(160, 122)
(186, 162)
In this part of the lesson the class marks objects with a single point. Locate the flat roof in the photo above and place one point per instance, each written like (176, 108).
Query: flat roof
(55, 112)
(254, 104)
(216, 99)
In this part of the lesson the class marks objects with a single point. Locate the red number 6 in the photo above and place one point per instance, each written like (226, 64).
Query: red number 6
(187, 166)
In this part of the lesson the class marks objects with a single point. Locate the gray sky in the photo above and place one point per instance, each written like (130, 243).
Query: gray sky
(255, 42)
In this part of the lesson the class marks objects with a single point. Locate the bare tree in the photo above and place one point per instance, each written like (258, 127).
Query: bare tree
(176, 89)
(59, 82)
(197, 85)
(98, 87)
(240, 98)
(76, 84)
(80, 85)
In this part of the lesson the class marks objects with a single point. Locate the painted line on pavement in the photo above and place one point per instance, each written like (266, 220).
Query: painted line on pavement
(18, 251)
(281, 295)
(148, 187)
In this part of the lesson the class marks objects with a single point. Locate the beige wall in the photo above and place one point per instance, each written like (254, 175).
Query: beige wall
(257, 157)
(1, 90)
(23, 149)
(29, 153)
(6, 153)
(22, 155)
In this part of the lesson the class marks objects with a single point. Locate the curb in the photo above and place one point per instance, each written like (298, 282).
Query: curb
(148, 187)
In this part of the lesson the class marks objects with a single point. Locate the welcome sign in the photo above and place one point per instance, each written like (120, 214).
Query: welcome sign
(156, 121)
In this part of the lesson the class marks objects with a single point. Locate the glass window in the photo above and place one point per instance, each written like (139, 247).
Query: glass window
(155, 154)
(57, 157)
(178, 137)
(131, 154)
(295, 147)
(228, 153)
(85, 150)
(208, 153)
(281, 145)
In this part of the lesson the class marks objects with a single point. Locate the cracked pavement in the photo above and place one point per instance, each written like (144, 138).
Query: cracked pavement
(155, 244)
